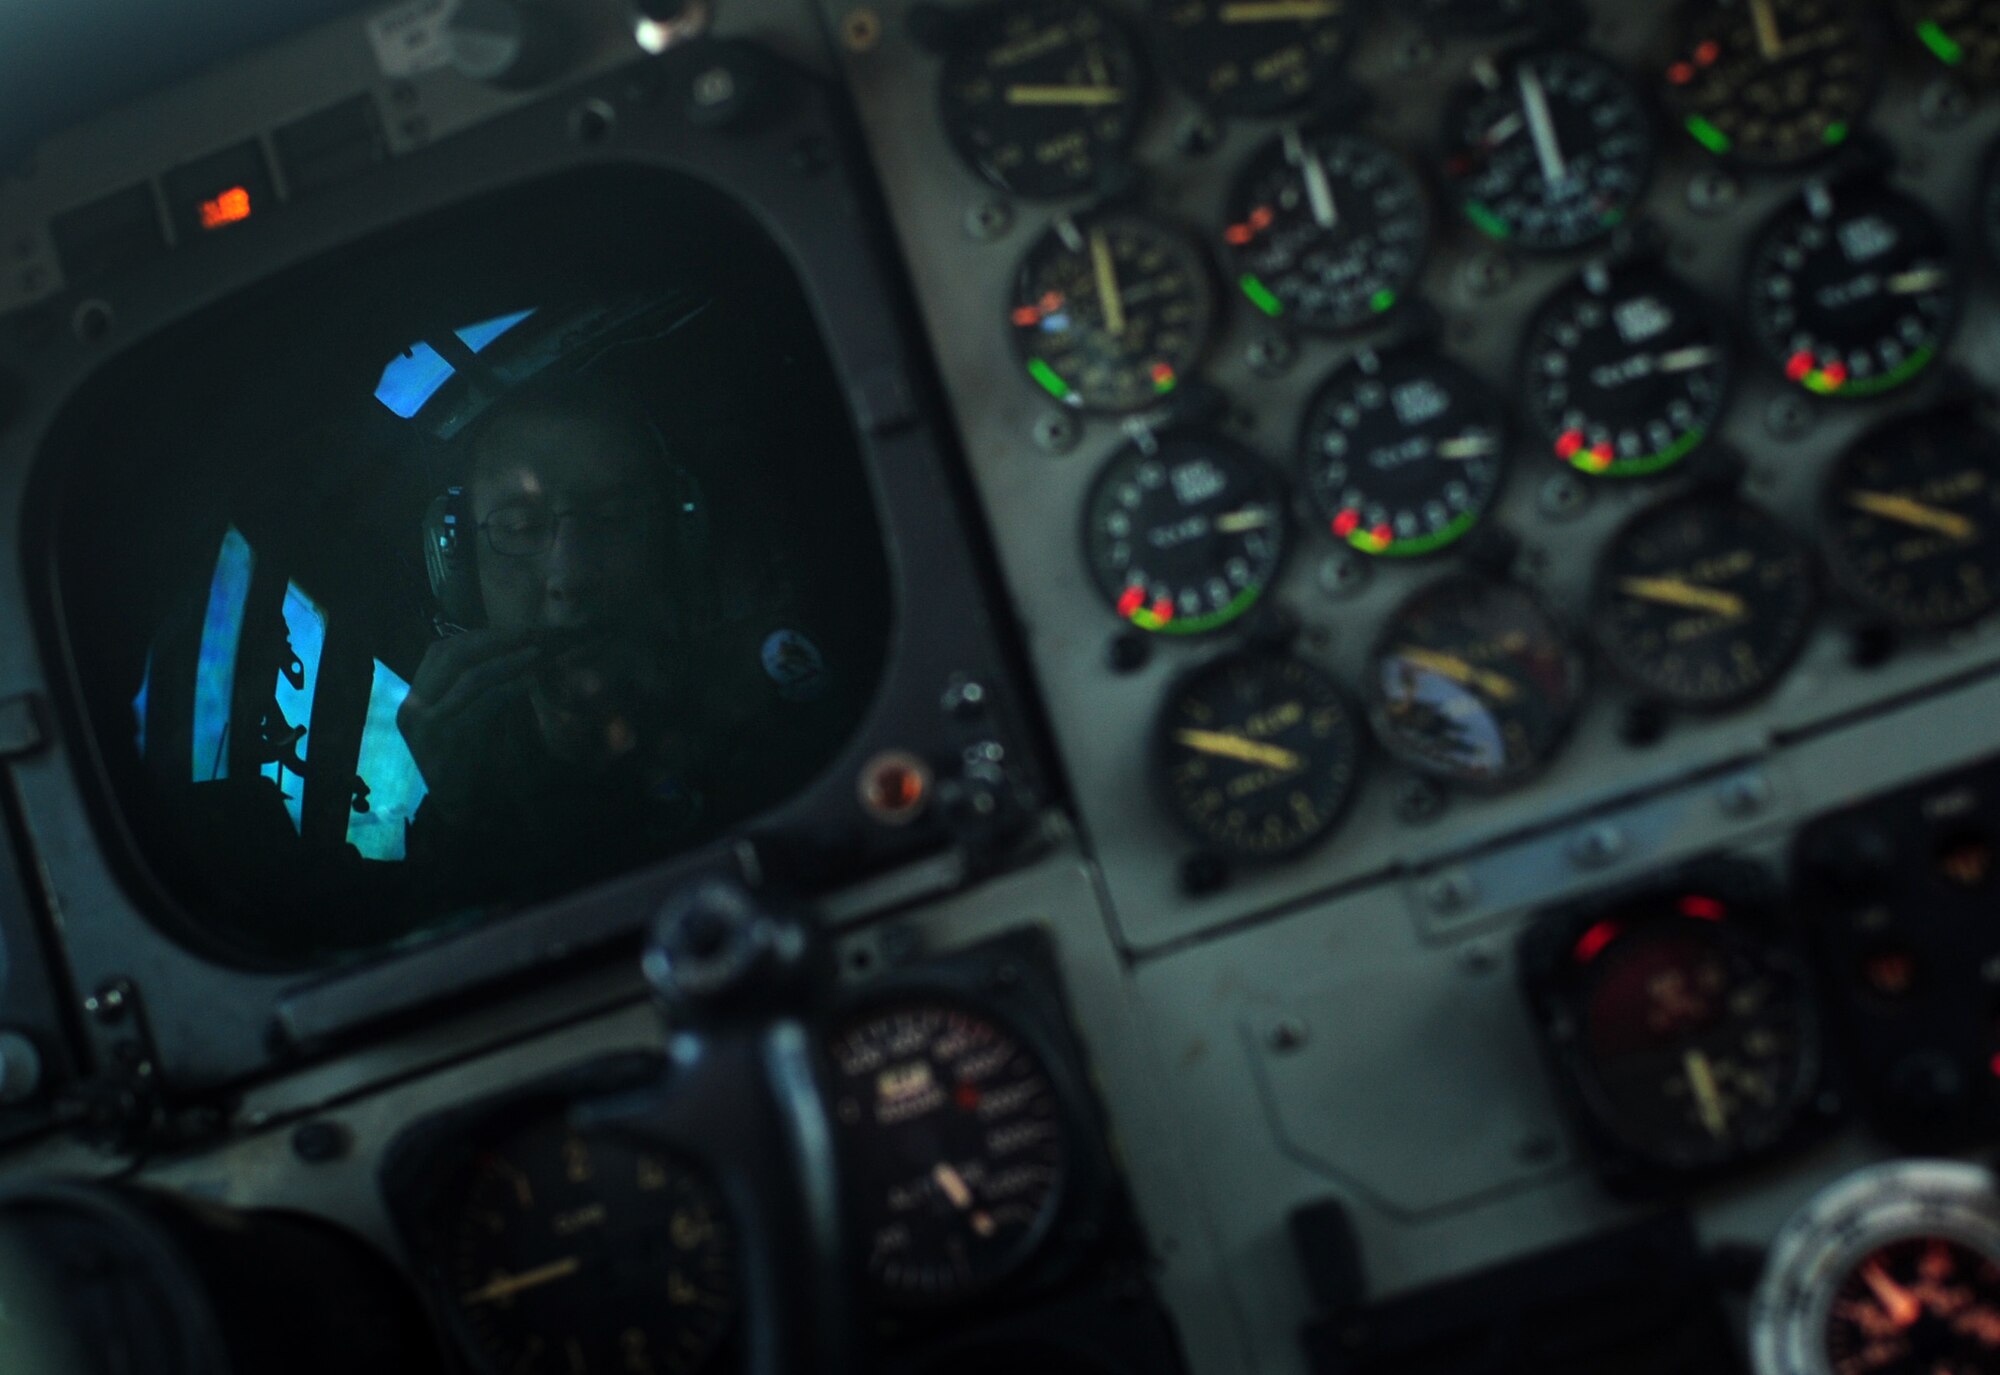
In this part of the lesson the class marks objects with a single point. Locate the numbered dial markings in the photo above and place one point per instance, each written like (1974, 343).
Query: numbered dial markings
(1256, 58)
(1260, 756)
(567, 1253)
(956, 1148)
(1894, 1270)
(1853, 291)
(1183, 535)
(1327, 231)
(1474, 681)
(1042, 97)
(1402, 455)
(1704, 602)
(1551, 150)
(1697, 1043)
(1962, 34)
(1775, 83)
(1626, 374)
(1110, 314)
(1911, 520)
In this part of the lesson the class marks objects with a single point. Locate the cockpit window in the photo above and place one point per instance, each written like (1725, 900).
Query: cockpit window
(467, 568)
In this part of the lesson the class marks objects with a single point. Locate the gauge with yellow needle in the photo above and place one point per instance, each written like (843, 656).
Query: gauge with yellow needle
(1258, 755)
(1042, 98)
(1910, 520)
(1703, 601)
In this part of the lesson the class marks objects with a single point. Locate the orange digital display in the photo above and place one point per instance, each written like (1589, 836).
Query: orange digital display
(228, 208)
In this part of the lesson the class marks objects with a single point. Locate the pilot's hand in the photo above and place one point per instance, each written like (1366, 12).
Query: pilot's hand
(462, 689)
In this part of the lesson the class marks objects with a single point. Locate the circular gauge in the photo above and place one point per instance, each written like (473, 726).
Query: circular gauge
(585, 1254)
(1695, 1043)
(1479, 16)
(1401, 454)
(1110, 313)
(1473, 681)
(1259, 754)
(1184, 533)
(1551, 149)
(1255, 58)
(1962, 34)
(1625, 374)
(1911, 520)
(1327, 230)
(1775, 83)
(1852, 291)
(955, 1146)
(1704, 601)
(1894, 1270)
(1041, 97)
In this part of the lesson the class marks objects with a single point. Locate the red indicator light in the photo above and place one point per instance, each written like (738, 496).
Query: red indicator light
(1592, 942)
(1890, 973)
(1994, 1066)
(1835, 375)
(1383, 536)
(1702, 909)
(1239, 234)
(1708, 53)
(1800, 367)
(1163, 611)
(230, 207)
(1027, 317)
(1261, 217)
(1129, 604)
(1051, 302)
(1163, 375)
(1346, 523)
(1570, 445)
(1599, 459)
(1681, 73)
(967, 1097)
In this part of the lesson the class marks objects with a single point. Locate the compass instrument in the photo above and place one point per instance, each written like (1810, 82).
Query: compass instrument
(1402, 453)
(1473, 681)
(1853, 290)
(1042, 98)
(1259, 755)
(1704, 601)
(1552, 149)
(1910, 520)
(1110, 313)
(1256, 58)
(1775, 83)
(1327, 231)
(1962, 34)
(1184, 532)
(1894, 1270)
(956, 1145)
(1626, 372)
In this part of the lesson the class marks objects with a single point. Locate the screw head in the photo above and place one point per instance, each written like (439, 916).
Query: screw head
(1945, 103)
(1420, 801)
(1056, 432)
(1487, 273)
(988, 220)
(318, 1143)
(1788, 417)
(716, 86)
(1288, 1035)
(861, 31)
(1563, 496)
(1710, 192)
(1271, 355)
(1342, 574)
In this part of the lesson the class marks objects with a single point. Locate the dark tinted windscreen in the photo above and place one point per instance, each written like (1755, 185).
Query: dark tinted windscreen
(524, 548)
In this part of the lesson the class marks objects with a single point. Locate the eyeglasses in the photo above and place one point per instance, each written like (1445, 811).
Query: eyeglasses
(523, 531)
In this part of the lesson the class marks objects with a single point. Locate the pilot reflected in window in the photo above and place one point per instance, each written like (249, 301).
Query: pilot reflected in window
(587, 712)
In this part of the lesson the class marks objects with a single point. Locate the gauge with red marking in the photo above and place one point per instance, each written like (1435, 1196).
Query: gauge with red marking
(1894, 1270)
(1184, 531)
(956, 1146)
(1402, 453)
(1853, 290)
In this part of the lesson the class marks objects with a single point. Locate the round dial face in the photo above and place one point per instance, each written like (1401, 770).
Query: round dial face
(1551, 150)
(955, 1147)
(1110, 313)
(1697, 1044)
(1260, 755)
(1853, 291)
(1775, 83)
(1474, 681)
(1184, 535)
(1962, 34)
(1479, 16)
(575, 1253)
(1894, 1270)
(1255, 58)
(1704, 602)
(1402, 454)
(1625, 374)
(1327, 230)
(1042, 97)
(1911, 520)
